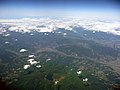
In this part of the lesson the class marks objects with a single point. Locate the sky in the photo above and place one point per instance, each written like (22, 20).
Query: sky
(73, 8)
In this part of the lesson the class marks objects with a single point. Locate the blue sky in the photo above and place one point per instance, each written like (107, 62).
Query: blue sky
(34, 8)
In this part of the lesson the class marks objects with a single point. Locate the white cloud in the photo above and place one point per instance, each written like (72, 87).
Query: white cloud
(6, 42)
(32, 61)
(68, 23)
(38, 66)
(56, 82)
(26, 66)
(31, 56)
(48, 60)
(6, 35)
(79, 72)
(64, 34)
(22, 50)
(85, 80)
